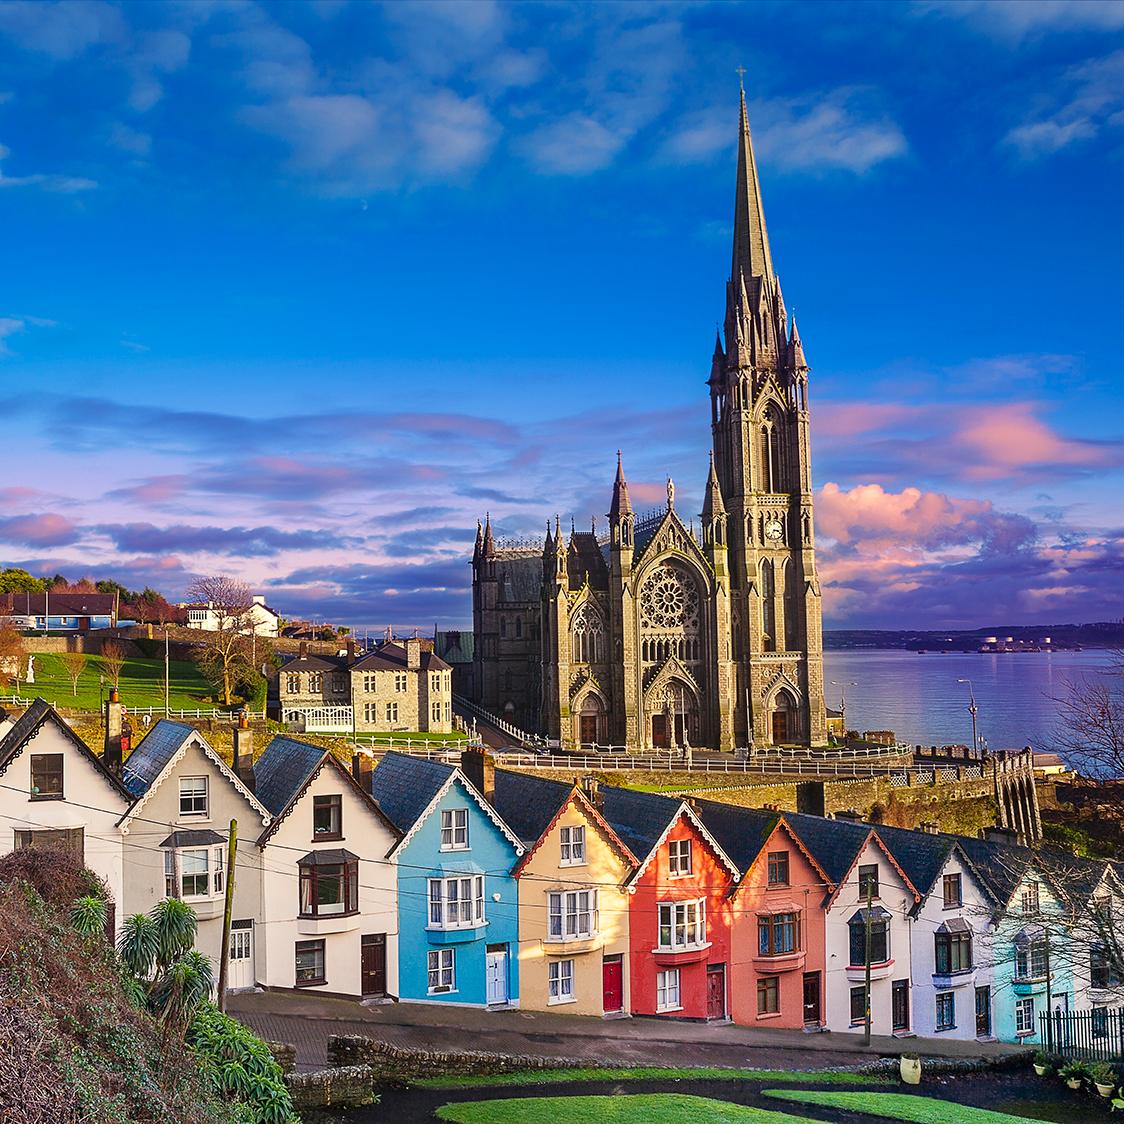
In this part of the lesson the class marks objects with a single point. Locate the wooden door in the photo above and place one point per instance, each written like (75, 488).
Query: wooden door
(588, 729)
(780, 727)
(812, 1015)
(983, 1012)
(900, 1004)
(612, 984)
(373, 964)
(240, 974)
(495, 971)
(716, 991)
(659, 731)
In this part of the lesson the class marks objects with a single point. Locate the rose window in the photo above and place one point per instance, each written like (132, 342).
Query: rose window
(669, 600)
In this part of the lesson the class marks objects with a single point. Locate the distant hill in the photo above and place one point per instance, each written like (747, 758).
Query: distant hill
(1103, 634)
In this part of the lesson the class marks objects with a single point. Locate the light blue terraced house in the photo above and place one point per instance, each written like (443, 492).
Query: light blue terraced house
(458, 915)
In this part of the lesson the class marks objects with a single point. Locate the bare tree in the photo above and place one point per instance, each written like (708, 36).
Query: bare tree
(224, 653)
(12, 655)
(1090, 730)
(75, 664)
(113, 660)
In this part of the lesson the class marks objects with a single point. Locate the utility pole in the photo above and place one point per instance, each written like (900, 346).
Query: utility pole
(224, 955)
(867, 927)
(167, 712)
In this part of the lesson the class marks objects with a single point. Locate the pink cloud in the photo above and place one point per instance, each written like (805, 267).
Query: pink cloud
(38, 530)
(852, 419)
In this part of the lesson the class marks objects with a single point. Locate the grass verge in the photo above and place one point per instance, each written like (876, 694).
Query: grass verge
(646, 1108)
(648, 1073)
(900, 1106)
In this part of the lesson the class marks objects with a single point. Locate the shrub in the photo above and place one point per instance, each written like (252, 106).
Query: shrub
(1102, 1073)
(239, 1067)
(56, 875)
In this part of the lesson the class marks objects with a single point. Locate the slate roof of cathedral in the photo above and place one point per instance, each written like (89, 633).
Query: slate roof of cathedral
(147, 761)
(740, 832)
(639, 818)
(527, 804)
(585, 558)
(520, 573)
(404, 786)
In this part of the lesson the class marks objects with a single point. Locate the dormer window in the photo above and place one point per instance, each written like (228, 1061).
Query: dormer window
(327, 817)
(46, 776)
(454, 829)
(193, 797)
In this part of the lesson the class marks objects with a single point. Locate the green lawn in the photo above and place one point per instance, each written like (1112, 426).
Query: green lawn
(901, 1106)
(142, 684)
(648, 1108)
(649, 1073)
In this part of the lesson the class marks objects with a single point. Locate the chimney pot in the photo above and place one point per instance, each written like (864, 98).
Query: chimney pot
(244, 751)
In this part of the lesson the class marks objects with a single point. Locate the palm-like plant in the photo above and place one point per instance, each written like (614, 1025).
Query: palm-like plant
(88, 916)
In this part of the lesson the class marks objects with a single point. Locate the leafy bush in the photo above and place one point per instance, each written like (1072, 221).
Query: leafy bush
(1102, 1073)
(239, 1067)
(57, 876)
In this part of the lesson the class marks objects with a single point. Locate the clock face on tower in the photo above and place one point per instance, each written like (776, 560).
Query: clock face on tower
(774, 530)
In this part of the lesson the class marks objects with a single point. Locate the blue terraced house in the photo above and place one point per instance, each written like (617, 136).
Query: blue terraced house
(458, 915)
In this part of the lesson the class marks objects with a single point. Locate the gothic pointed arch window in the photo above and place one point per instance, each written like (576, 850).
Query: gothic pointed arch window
(587, 635)
(792, 641)
(768, 606)
(771, 453)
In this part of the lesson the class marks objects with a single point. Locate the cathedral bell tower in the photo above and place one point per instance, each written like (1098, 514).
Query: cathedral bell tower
(762, 463)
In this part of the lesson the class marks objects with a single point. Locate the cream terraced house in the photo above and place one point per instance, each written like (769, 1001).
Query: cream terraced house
(400, 686)
(329, 893)
(174, 839)
(55, 792)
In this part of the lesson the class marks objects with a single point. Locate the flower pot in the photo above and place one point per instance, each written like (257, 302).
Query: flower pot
(910, 1066)
(1073, 1082)
(1105, 1090)
(1040, 1070)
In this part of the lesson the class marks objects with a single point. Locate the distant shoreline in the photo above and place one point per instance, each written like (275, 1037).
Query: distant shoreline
(999, 639)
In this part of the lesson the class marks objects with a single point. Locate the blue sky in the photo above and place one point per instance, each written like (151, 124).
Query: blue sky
(299, 291)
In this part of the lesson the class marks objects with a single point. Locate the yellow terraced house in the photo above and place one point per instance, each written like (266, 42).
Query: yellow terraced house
(573, 905)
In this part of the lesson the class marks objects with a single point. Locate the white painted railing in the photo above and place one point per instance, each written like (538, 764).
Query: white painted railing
(501, 724)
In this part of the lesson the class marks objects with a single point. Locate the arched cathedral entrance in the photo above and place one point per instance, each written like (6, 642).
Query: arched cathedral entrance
(672, 715)
(784, 718)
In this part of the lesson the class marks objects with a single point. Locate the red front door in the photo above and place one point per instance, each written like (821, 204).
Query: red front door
(716, 991)
(612, 974)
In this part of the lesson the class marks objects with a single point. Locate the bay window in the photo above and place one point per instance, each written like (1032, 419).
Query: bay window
(329, 884)
(1032, 956)
(682, 924)
(953, 949)
(879, 936)
(778, 934)
(200, 872)
(572, 915)
(456, 903)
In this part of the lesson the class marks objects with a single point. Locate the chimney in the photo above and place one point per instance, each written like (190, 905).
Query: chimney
(479, 767)
(1000, 835)
(114, 714)
(593, 793)
(850, 815)
(413, 653)
(928, 827)
(302, 649)
(244, 750)
(351, 649)
(362, 768)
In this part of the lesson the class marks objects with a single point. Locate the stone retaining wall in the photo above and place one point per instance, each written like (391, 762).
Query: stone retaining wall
(397, 1063)
(349, 1087)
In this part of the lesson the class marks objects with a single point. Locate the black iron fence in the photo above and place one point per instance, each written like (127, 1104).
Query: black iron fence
(1096, 1035)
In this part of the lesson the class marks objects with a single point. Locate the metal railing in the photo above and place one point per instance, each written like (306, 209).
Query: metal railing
(501, 724)
(1096, 1035)
(198, 712)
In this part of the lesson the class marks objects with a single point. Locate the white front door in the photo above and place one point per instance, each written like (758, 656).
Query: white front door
(240, 973)
(496, 972)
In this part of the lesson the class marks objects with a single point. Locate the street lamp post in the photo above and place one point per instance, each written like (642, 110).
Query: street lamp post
(843, 701)
(973, 710)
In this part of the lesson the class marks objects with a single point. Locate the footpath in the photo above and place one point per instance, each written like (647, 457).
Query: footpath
(306, 1020)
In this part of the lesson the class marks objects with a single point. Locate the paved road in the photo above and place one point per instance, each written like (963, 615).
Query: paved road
(306, 1020)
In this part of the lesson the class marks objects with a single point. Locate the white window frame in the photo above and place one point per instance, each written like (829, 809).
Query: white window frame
(401, 682)
(572, 915)
(392, 712)
(560, 982)
(1030, 898)
(573, 846)
(457, 902)
(193, 813)
(1024, 1027)
(454, 829)
(685, 923)
(668, 994)
(213, 869)
(441, 965)
(435, 712)
(679, 858)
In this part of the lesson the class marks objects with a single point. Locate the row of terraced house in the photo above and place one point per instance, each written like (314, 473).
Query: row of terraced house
(423, 881)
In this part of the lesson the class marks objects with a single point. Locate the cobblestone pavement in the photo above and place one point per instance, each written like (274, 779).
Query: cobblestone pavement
(306, 1020)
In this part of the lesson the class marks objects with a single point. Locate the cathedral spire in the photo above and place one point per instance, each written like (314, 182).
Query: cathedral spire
(796, 349)
(621, 504)
(713, 504)
(489, 544)
(479, 547)
(751, 239)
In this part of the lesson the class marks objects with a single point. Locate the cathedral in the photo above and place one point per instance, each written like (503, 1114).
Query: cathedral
(658, 635)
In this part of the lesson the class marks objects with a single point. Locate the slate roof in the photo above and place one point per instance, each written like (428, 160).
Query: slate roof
(392, 657)
(921, 855)
(584, 557)
(639, 818)
(740, 832)
(834, 844)
(455, 646)
(519, 575)
(58, 604)
(527, 804)
(198, 837)
(28, 724)
(1001, 865)
(315, 663)
(404, 787)
(147, 761)
(283, 769)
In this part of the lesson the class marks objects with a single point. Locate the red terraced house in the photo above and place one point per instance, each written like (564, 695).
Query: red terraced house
(679, 916)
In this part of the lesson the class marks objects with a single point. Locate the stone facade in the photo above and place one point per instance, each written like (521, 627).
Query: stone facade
(653, 635)
(401, 685)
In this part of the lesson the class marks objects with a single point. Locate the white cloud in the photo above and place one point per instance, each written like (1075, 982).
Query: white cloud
(13, 325)
(64, 185)
(128, 139)
(1015, 20)
(833, 131)
(1092, 101)
(62, 30)
(573, 145)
